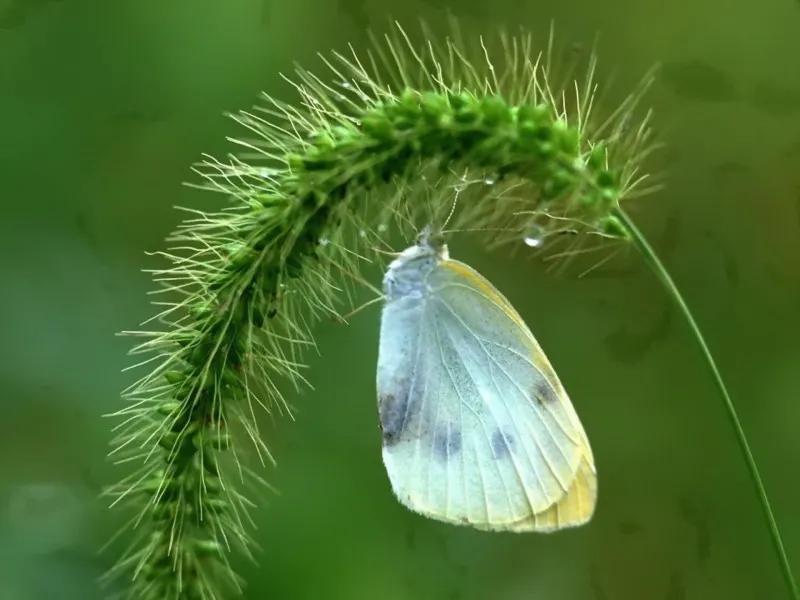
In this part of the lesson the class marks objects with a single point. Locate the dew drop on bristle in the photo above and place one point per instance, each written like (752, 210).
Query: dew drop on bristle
(489, 180)
(534, 237)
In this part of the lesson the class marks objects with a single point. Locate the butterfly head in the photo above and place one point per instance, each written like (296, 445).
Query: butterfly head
(407, 273)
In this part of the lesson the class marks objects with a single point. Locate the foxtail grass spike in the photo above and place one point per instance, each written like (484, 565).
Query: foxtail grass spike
(377, 141)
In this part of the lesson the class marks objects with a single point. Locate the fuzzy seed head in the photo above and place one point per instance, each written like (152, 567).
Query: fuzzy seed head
(406, 134)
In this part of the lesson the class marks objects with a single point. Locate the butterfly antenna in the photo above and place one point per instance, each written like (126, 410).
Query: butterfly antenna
(391, 253)
(450, 214)
(452, 210)
(343, 318)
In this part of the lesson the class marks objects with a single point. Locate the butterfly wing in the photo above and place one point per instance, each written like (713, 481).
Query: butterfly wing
(477, 428)
(574, 508)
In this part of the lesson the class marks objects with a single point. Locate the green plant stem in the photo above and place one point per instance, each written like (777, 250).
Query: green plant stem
(661, 272)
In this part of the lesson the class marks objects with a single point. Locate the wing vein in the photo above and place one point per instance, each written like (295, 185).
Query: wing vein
(518, 432)
(546, 380)
(483, 425)
(528, 334)
(525, 398)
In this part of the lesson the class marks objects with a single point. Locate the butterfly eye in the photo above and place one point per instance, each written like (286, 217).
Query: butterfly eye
(436, 240)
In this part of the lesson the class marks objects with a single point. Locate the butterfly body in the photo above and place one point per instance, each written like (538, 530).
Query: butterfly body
(476, 426)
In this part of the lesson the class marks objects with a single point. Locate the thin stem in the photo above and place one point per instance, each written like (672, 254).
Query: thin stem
(661, 272)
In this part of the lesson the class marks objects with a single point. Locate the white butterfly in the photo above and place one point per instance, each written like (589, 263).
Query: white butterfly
(477, 429)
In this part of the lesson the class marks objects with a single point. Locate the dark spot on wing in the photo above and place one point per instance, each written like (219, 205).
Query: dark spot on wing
(446, 442)
(543, 392)
(393, 412)
(502, 444)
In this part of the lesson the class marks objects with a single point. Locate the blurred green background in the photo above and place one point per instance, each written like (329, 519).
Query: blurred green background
(104, 106)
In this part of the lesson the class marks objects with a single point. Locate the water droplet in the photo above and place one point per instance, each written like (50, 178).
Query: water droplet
(382, 227)
(533, 242)
(489, 180)
(362, 233)
(324, 241)
(534, 237)
(345, 84)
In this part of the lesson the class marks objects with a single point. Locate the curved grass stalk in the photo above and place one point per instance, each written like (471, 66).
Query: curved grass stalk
(651, 258)
(382, 141)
